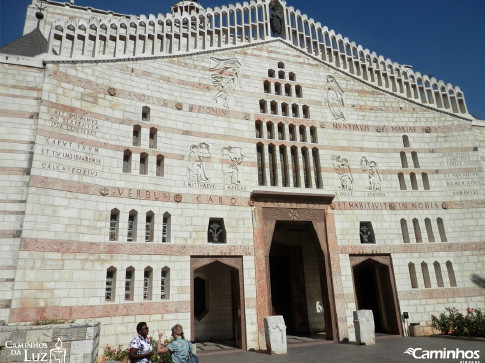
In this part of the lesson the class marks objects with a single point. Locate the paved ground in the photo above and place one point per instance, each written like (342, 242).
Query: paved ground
(386, 349)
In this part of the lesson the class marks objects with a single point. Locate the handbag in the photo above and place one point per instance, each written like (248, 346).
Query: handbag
(191, 358)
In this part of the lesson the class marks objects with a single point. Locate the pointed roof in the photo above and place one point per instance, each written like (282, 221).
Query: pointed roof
(30, 45)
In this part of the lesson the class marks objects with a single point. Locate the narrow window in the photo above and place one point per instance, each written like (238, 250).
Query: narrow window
(404, 160)
(424, 176)
(316, 168)
(451, 273)
(149, 223)
(284, 109)
(267, 87)
(152, 142)
(143, 163)
(414, 156)
(425, 271)
(271, 73)
(127, 161)
(263, 106)
(402, 182)
(295, 167)
(313, 134)
(270, 130)
(159, 167)
(132, 217)
(277, 88)
(165, 284)
(274, 108)
(298, 91)
(429, 229)
(294, 110)
(414, 182)
(110, 284)
(261, 168)
(292, 76)
(405, 140)
(441, 229)
(288, 90)
(306, 111)
(166, 227)
(417, 231)
(147, 283)
(129, 279)
(216, 232)
(292, 131)
(281, 74)
(145, 113)
(136, 135)
(438, 274)
(412, 275)
(114, 224)
(272, 165)
(405, 231)
(284, 167)
(306, 168)
(281, 65)
(258, 128)
(281, 131)
(302, 132)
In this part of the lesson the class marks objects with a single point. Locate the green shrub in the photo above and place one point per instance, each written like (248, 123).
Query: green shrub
(455, 323)
(117, 354)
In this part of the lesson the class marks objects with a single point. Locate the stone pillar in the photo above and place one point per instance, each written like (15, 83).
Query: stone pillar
(364, 327)
(275, 333)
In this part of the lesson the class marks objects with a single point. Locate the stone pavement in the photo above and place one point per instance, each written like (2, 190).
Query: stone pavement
(386, 349)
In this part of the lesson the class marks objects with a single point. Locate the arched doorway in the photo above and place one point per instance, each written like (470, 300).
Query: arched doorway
(375, 290)
(217, 300)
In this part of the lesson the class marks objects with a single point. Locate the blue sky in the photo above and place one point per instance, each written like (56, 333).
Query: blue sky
(444, 38)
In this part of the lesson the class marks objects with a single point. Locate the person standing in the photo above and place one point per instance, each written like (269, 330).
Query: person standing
(179, 348)
(140, 346)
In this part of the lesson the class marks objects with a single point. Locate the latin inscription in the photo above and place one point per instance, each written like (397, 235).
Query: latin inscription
(351, 127)
(459, 159)
(68, 169)
(382, 206)
(74, 123)
(199, 185)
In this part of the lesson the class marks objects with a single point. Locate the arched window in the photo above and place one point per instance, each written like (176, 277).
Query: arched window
(263, 106)
(145, 113)
(200, 306)
(414, 182)
(147, 283)
(284, 166)
(267, 87)
(302, 133)
(292, 131)
(143, 163)
(425, 271)
(136, 135)
(404, 160)
(281, 74)
(292, 76)
(129, 283)
(414, 156)
(313, 135)
(165, 283)
(306, 111)
(295, 112)
(405, 140)
(298, 91)
(284, 109)
(270, 130)
(441, 229)
(159, 168)
(271, 73)
(277, 88)
(127, 161)
(166, 227)
(412, 275)
(402, 182)
(110, 289)
(272, 165)
(261, 166)
(132, 220)
(316, 168)
(438, 274)
(417, 231)
(281, 131)
(429, 230)
(288, 90)
(114, 223)
(451, 273)
(295, 167)
(149, 226)
(152, 142)
(307, 179)
(258, 128)
(405, 231)
(424, 176)
(274, 108)
(281, 65)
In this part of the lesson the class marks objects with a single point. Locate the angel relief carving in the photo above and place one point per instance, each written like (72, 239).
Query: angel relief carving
(334, 98)
(226, 78)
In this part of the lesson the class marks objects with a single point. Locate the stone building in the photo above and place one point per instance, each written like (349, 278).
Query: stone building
(211, 167)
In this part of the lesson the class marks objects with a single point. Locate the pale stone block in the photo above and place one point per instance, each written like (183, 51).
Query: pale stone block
(364, 327)
(275, 331)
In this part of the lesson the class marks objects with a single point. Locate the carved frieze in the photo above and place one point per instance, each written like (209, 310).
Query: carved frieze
(225, 76)
(334, 98)
(342, 168)
(374, 178)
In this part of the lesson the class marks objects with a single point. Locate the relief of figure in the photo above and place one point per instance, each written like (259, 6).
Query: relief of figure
(374, 177)
(276, 20)
(334, 98)
(342, 168)
(196, 166)
(225, 78)
(231, 172)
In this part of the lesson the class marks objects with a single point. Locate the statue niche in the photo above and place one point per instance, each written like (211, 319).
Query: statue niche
(277, 19)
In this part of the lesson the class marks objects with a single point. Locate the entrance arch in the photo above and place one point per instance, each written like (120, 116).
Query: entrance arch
(217, 300)
(375, 290)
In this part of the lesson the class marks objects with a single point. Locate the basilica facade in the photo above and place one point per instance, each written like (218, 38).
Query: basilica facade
(211, 167)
